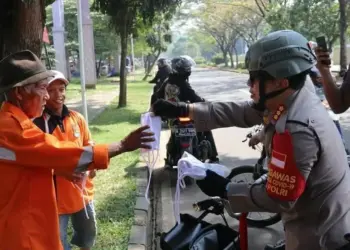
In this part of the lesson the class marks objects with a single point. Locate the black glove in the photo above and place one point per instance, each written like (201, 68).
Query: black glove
(170, 109)
(213, 184)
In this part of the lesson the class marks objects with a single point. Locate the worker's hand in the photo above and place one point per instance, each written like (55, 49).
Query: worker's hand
(69, 176)
(213, 184)
(137, 139)
(323, 60)
(92, 174)
(170, 109)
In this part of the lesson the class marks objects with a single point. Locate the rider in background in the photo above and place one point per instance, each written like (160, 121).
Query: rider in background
(163, 72)
(176, 88)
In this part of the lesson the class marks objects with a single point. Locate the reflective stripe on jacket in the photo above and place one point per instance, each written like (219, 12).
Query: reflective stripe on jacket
(72, 128)
(28, 211)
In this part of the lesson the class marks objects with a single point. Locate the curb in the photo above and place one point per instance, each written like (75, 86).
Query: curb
(141, 228)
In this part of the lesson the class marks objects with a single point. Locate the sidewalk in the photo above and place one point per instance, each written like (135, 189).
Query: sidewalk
(96, 103)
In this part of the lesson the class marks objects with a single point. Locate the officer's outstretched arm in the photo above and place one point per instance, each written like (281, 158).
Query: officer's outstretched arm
(293, 157)
(212, 115)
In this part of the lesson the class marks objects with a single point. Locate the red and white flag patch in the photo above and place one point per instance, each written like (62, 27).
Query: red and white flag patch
(278, 159)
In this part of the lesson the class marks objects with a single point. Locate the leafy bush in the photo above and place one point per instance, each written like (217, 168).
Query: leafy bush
(200, 60)
(241, 65)
(218, 59)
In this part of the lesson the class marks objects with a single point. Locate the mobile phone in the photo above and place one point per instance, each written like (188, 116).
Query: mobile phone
(321, 42)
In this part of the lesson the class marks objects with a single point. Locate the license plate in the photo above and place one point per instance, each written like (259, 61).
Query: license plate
(185, 132)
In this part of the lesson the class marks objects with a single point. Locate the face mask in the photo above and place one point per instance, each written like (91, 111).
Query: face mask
(190, 166)
(150, 156)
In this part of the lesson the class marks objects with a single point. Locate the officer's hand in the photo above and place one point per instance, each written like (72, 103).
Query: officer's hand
(137, 139)
(213, 184)
(170, 109)
(255, 140)
(323, 60)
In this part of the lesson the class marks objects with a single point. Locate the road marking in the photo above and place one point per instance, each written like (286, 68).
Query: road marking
(245, 91)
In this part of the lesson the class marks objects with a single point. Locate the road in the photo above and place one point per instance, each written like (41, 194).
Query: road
(219, 86)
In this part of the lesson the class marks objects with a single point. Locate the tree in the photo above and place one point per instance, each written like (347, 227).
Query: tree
(223, 24)
(21, 25)
(186, 46)
(158, 37)
(206, 44)
(105, 40)
(311, 18)
(124, 16)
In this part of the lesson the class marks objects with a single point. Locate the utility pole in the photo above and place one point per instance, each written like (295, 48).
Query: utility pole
(82, 59)
(59, 37)
(86, 26)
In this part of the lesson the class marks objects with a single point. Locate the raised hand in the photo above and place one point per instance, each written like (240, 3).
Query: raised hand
(137, 139)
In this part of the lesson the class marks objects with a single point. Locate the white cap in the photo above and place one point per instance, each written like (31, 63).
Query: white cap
(58, 76)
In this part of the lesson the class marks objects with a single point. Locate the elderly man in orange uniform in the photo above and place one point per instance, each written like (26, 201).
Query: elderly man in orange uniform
(74, 198)
(28, 209)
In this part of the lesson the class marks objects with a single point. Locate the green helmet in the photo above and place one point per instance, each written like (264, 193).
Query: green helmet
(281, 54)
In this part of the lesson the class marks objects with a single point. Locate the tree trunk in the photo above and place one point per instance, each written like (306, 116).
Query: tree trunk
(343, 27)
(150, 68)
(124, 51)
(330, 46)
(22, 26)
(224, 53)
(231, 59)
(237, 60)
(98, 67)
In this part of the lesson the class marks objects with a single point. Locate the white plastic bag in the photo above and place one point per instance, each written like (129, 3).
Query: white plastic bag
(190, 166)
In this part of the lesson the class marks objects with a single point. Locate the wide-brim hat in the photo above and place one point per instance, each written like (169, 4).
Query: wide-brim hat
(20, 69)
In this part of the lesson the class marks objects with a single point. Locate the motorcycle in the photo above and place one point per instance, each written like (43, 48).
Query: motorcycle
(185, 138)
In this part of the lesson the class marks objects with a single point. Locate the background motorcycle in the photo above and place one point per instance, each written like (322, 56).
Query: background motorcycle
(184, 137)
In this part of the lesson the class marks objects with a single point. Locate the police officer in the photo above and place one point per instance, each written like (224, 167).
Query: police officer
(163, 72)
(309, 178)
(176, 88)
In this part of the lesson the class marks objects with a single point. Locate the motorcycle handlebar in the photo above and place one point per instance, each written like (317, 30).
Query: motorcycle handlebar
(205, 204)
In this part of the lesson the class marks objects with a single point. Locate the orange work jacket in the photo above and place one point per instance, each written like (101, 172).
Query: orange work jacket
(28, 210)
(73, 128)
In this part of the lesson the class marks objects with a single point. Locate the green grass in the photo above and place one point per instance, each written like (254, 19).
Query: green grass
(115, 188)
(104, 84)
